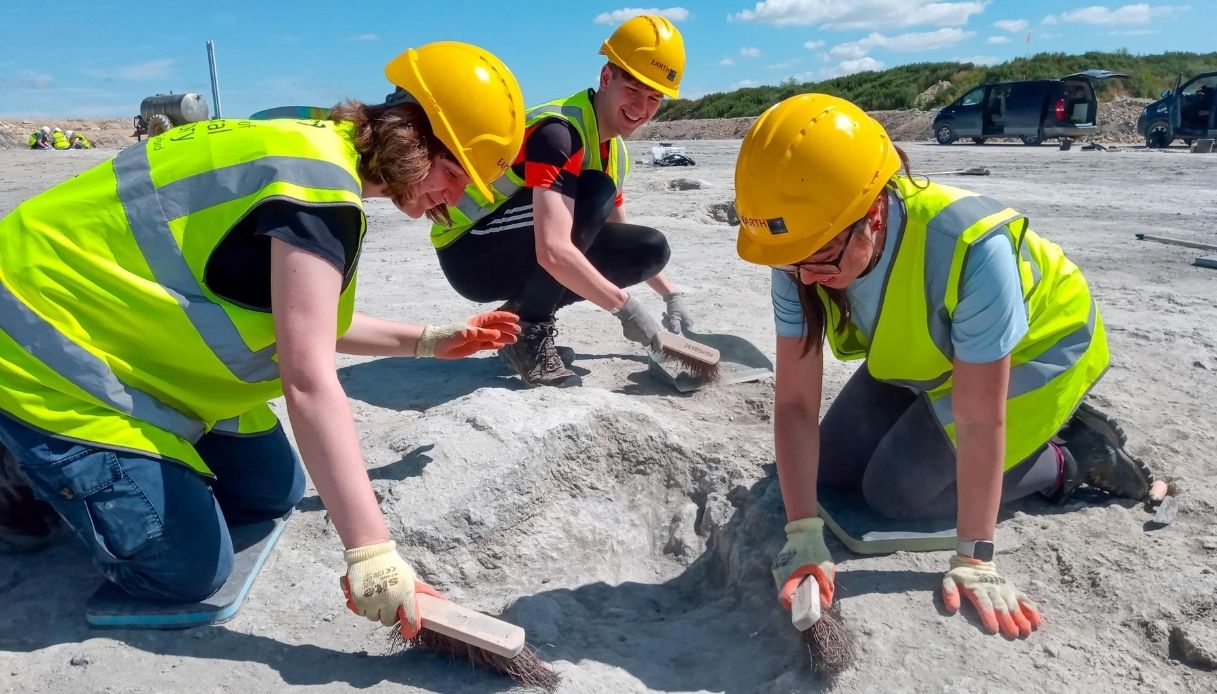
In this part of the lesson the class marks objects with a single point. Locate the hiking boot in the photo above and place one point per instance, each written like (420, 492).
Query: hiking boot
(535, 358)
(1095, 455)
(26, 523)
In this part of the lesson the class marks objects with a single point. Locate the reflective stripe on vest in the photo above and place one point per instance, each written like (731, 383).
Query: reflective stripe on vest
(577, 110)
(1051, 368)
(149, 209)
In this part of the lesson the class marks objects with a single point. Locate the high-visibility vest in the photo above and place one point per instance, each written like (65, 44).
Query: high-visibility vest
(35, 138)
(59, 141)
(84, 142)
(108, 331)
(576, 109)
(1056, 363)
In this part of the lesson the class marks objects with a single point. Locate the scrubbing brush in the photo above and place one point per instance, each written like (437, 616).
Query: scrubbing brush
(828, 643)
(700, 361)
(487, 643)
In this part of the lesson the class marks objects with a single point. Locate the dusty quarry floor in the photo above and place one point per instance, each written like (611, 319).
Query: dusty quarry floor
(629, 529)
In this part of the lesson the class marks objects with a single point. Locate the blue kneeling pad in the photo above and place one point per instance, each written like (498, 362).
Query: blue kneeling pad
(864, 531)
(111, 607)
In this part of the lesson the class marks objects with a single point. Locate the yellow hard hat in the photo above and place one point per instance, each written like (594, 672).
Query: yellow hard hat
(651, 49)
(808, 168)
(472, 100)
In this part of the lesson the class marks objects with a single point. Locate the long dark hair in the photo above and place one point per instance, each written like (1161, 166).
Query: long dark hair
(815, 316)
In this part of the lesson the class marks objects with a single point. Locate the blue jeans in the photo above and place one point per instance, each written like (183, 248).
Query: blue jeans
(157, 528)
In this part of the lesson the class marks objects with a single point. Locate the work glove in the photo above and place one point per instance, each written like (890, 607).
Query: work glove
(380, 585)
(804, 555)
(637, 325)
(676, 318)
(490, 330)
(999, 604)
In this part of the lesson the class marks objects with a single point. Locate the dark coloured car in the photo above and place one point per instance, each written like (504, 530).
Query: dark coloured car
(1031, 110)
(1188, 112)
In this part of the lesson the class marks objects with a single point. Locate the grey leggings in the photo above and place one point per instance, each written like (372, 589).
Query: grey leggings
(884, 441)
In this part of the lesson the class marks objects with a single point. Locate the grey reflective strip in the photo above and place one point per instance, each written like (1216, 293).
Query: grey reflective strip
(474, 211)
(942, 235)
(86, 370)
(231, 425)
(622, 161)
(1053, 362)
(151, 231)
(210, 188)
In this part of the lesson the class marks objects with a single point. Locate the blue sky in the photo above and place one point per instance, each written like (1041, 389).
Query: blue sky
(95, 59)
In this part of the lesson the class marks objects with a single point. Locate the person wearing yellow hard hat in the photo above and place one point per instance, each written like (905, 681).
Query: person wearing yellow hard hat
(540, 240)
(980, 340)
(152, 305)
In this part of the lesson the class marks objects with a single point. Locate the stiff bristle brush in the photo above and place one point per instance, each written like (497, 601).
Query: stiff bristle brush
(828, 643)
(700, 361)
(486, 642)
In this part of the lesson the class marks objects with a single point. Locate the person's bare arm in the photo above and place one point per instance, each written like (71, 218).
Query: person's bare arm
(376, 337)
(979, 408)
(553, 216)
(304, 301)
(798, 384)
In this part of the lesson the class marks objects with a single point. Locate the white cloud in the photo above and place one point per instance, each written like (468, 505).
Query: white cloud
(1140, 13)
(849, 67)
(364, 37)
(750, 52)
(995, 40)
(1011, 25)
(727, 61)
(151, 70)
(901, 43)
(1133, 32)
(813, 45)
(676, 14)
(861, 14)
(745, 83)
(981, 60)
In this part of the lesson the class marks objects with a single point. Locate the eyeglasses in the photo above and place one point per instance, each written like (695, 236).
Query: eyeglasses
(824, 269)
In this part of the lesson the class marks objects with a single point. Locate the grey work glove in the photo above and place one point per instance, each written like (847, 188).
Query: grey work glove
(676, 318)
(637, 325)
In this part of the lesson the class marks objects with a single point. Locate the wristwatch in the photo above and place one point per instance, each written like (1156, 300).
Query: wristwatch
(981, 550)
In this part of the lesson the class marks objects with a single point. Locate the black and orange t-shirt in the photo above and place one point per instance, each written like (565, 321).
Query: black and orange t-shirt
(552, 157)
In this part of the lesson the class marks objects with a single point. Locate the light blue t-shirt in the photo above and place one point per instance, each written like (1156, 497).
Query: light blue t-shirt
(989, 320)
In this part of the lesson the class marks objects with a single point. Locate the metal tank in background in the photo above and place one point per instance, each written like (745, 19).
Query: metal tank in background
(164, 111)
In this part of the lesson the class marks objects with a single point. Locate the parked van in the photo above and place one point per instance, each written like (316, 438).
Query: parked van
(1188, 112)
(1032, 110)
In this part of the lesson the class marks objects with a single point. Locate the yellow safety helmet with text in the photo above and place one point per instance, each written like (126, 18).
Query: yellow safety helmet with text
(808, 168)
(472, 100)
(651, 49)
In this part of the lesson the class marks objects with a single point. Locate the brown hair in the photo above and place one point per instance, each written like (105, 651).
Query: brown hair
(815, 316)
(396, 147)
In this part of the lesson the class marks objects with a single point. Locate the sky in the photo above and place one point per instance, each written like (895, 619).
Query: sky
(97, 59)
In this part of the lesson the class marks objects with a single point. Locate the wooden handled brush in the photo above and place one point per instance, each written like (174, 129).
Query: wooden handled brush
(488, 643)
(699, 360)
(828, 643)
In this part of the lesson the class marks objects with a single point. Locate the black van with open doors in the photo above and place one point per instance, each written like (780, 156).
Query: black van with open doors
(1031, 110)
(1188, 112)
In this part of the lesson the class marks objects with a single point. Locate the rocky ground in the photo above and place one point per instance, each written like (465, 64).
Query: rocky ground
(629, 528)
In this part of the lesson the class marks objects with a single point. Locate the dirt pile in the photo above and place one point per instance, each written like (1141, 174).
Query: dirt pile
(106, 133)
(1117, 124)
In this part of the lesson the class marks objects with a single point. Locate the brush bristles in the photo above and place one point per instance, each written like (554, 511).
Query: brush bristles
(526, 668)
(698, 369)
(830, 646)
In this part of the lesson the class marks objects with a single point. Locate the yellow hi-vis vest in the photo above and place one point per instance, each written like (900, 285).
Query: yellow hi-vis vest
(576, 109)
(108, 332)
(59, 140)
(1059, 360)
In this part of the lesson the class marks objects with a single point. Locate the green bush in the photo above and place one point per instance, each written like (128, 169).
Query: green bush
(898, 87)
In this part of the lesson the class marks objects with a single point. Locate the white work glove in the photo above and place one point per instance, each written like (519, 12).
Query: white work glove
(490, 330)
(379, 585)
(676, 318)
(804, 554)
(637, 325)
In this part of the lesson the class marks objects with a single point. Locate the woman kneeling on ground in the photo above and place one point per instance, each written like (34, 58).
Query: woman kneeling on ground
(150, 307)
(980, 341)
